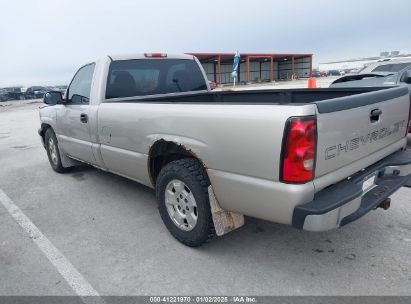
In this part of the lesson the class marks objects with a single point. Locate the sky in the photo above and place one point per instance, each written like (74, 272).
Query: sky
(43, 42)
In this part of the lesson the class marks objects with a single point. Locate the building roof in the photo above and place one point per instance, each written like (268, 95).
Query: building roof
(250, 54)
(367, 58)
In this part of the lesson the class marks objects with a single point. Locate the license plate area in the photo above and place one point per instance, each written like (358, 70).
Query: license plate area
(369, 183)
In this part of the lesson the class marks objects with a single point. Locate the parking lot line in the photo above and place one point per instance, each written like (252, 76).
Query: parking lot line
(77, 282)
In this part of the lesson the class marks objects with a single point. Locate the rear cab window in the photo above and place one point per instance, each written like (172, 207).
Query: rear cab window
(143, 77)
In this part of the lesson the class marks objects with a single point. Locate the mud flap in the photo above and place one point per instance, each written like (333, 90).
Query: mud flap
(224, 221)
(66, 161)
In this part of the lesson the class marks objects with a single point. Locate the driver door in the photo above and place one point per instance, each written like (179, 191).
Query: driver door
(73, 120)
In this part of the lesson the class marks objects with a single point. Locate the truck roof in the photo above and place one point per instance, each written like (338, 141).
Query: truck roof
(143, 56)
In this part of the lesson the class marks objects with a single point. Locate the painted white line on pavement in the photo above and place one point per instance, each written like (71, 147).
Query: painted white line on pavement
(77, 282)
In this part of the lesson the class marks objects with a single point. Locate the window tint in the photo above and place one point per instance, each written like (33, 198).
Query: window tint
(79, 89)
(140, 77)
(392, 67)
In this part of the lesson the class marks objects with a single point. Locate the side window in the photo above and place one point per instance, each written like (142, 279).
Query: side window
(80, 87)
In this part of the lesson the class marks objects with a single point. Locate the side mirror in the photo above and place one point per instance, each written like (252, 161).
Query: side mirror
(407, 77)
(52, 98)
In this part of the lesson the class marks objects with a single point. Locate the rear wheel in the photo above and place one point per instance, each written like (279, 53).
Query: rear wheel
(183, 203)
(53, 152)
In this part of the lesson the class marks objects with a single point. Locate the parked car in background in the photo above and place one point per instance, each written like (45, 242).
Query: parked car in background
(352, 71)
(333, 73)
(35, 92)
(383, 73)
(386, 66)
(14, 93)
(3, 95)
(62, 89)
(315, 73)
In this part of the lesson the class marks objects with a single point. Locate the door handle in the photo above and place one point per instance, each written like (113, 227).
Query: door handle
(83, 118)
(375, 115)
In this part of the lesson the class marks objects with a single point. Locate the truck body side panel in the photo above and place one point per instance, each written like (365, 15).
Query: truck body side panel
(242, 139)
(234, 140)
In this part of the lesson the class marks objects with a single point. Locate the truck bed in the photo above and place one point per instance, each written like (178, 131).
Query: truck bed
(327, 99)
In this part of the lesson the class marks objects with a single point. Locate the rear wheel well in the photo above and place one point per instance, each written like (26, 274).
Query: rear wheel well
(163, 152)
(44, 128)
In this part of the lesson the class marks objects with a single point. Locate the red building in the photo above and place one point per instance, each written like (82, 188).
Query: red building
(255, 67)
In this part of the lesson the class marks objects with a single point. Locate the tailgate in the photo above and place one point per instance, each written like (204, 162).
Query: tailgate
(355, 127)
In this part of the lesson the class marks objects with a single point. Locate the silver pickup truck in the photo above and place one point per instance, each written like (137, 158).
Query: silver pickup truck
(316, 159)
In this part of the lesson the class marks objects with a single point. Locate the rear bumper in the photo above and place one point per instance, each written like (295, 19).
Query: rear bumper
(346, 201)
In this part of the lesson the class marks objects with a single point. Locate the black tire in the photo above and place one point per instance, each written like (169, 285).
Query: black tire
(55, 160)
(192, 174)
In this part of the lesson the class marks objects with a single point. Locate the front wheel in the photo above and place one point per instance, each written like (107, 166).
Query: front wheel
(183, 203)
(53, 152)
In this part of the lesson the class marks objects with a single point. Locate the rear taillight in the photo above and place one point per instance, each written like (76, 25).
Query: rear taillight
(155, 55)
(299, 150)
